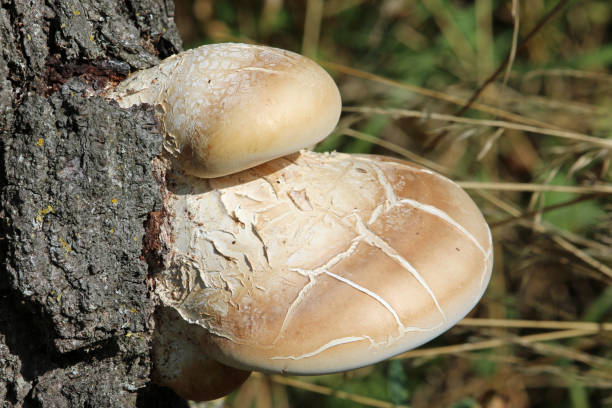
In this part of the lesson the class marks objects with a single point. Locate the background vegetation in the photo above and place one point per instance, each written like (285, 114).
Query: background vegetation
(533, 150)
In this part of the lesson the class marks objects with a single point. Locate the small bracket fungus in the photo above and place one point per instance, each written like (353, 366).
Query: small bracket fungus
(306, 263)
(181, 364)
(228, 107)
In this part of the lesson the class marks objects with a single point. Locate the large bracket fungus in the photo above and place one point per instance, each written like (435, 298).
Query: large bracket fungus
(304, 264)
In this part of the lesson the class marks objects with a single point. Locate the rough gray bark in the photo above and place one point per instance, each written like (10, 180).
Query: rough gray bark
(77, 188)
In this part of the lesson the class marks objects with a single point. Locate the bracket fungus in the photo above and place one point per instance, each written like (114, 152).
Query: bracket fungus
(228, 107)
(306, 263)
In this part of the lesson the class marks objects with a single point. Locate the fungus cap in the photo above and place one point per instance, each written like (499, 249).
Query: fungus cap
(180, 364)
(318, 263)
(227, 107)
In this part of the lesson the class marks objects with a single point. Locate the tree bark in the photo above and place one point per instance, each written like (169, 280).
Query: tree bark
(77, 188)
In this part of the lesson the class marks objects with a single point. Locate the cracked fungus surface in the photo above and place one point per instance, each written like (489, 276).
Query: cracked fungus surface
(227, 107)
(316, 263)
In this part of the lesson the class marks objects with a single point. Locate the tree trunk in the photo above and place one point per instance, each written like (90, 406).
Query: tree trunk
(77, 188)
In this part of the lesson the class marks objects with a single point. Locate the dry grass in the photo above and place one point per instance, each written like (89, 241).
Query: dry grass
(531, 144)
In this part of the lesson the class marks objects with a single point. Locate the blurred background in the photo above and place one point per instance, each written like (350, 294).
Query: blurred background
(513, 99)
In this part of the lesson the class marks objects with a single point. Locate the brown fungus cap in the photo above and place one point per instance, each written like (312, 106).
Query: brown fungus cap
(227, 107)
(317, 263)
(180, 363)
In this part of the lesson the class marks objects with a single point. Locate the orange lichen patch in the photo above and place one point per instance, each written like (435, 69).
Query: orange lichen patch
(54, 296)
(42, 213)
(64, 244)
